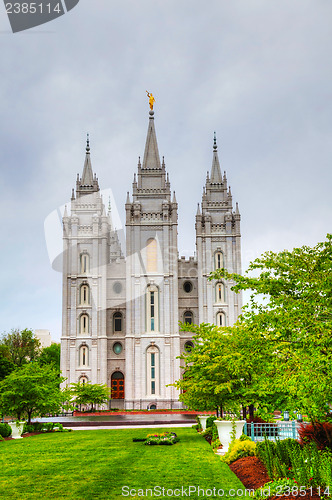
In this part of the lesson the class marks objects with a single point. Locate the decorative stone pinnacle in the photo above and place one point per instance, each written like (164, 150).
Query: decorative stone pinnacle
(215, 147)
(87, 143)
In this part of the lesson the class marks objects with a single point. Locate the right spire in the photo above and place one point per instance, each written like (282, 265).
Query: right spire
(216, 177)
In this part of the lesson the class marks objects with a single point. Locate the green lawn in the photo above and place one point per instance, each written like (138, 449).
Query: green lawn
(84, 465)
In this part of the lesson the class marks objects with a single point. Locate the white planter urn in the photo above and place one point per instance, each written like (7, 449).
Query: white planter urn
(225, 430)
(203, 419)
(17, 429)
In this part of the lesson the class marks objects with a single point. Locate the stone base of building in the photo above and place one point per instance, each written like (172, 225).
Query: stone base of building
(152, 404)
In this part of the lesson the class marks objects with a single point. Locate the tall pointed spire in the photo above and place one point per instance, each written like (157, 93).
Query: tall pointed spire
(88, 183)
(151, 154)
(216, 177)
(87, 177)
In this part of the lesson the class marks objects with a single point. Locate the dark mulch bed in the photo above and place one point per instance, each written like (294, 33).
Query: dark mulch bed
(252, 473)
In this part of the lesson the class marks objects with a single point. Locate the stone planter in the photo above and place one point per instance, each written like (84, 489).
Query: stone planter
(203, 419)
(225, 430)
(17, 429)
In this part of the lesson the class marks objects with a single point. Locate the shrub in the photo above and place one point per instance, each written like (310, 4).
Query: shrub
(277, 488)
(210, 420)
(266, 451)
(319, 432)
(5, 430)
(200, 428)
(239, 449)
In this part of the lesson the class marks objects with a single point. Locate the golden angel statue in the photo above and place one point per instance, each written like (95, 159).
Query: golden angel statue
(151, 99)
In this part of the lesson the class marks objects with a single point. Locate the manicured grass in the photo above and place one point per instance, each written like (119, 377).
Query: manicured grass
(84, 465)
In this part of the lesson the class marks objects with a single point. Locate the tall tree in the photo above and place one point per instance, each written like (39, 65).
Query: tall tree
(31, 390)
(6, 365)
(22, 346)
(225, 369)
(291, 307)
(50, 356)
(90, 394)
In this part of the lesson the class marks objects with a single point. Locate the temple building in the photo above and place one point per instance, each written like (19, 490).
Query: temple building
(122, 306)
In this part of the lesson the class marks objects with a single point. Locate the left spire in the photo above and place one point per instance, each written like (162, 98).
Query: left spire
(88, 182)
(87, 177)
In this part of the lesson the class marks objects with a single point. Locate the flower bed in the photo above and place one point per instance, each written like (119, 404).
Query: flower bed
(164, 439)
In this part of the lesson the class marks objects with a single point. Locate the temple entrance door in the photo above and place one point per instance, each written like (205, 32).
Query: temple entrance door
(117, 384)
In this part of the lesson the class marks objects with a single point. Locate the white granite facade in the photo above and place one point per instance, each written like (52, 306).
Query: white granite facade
(121, 314)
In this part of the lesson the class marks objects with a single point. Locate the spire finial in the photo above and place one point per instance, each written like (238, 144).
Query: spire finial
(109, 205)
(215, 147)
(87, 143)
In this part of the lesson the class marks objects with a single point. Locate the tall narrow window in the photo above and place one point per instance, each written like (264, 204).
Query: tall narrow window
(151, 256)
(84, 295)
(188, 317)
(84, 355)
(85, 263)
(220, 293)
(153, 371)
(152, 309)
(117, 322)
(84, 323)
(218, 260)
(221, 319)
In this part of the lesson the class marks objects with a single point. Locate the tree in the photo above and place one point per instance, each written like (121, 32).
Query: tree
(50, 356)
(22, 346)
(90, 394)
(290, 306)
(31, 390)
(225, 369)
(6, 365)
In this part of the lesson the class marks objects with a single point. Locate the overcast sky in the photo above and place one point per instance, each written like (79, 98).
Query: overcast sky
(258, 72)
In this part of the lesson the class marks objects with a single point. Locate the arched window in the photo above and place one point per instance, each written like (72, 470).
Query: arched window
(83, 380)
(117, 322)
(152, 309)
(221, 319)
(85, 263)
(84, 323)
(188, 317)
(84, 355)
(151, 256)
(218, 260)
(188, 346)
(152, 371)
(220, 293)
(84, 295)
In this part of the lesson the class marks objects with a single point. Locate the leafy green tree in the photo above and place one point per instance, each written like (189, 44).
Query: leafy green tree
(90, 394)
(225, 368)
(291, 307)
(31, 391)
(22, 346)
(50, 356)
(6, 365)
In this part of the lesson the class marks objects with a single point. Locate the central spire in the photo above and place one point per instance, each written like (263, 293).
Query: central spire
(216, 177)
(151, 158)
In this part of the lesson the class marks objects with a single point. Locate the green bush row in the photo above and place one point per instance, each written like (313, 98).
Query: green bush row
(286, 458)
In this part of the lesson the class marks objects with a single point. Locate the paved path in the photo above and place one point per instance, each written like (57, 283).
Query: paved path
(149, 426)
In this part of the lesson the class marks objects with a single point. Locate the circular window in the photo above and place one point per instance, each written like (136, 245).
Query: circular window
(187, 286)
(117, 287)
(117, 348)
(188, 346)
